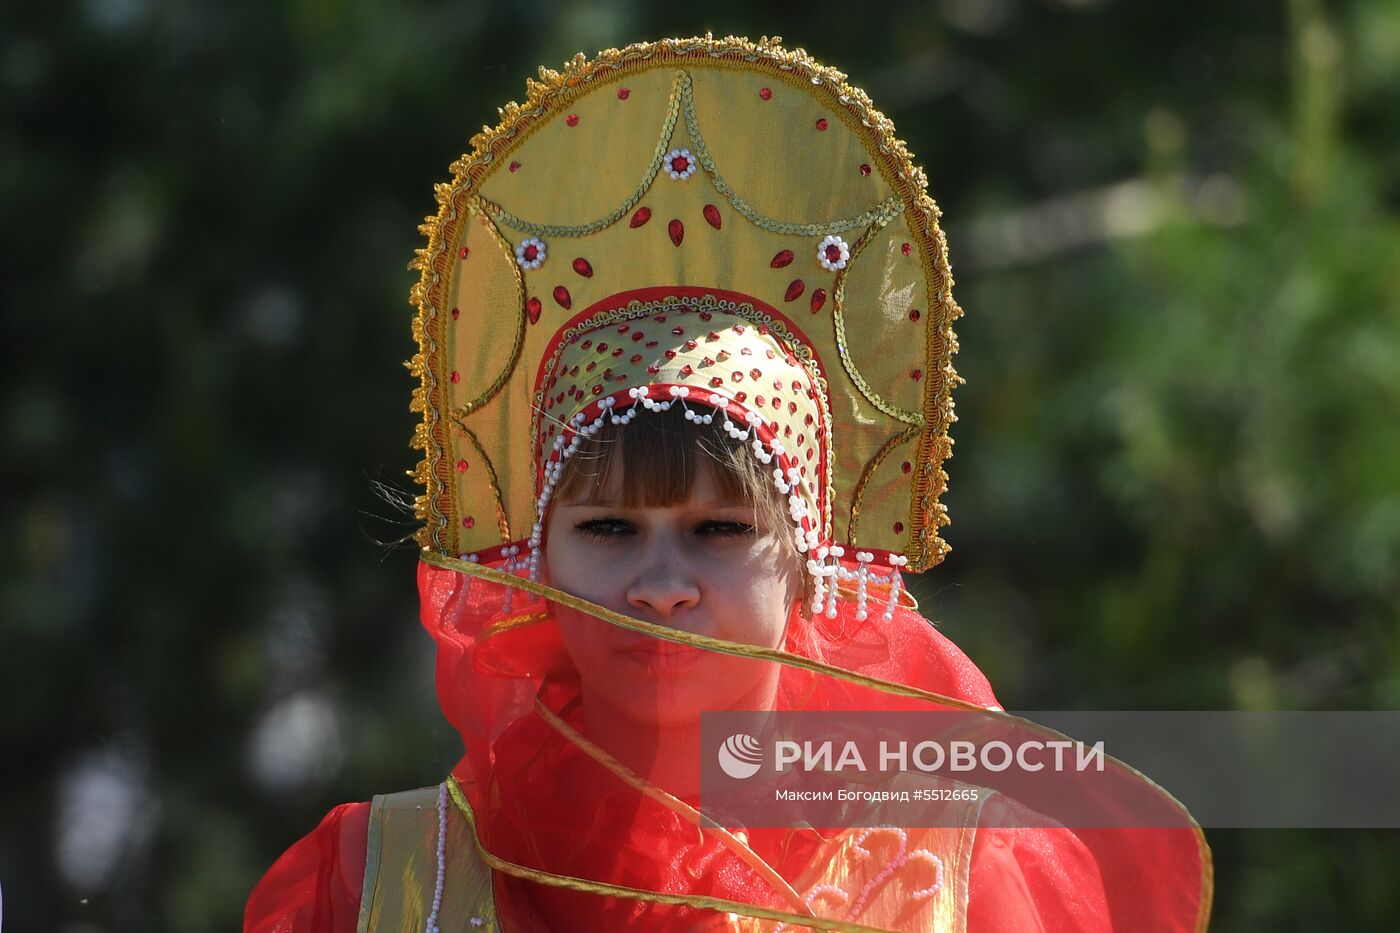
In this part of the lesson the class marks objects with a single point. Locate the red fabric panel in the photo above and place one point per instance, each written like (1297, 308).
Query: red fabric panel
(315, 886)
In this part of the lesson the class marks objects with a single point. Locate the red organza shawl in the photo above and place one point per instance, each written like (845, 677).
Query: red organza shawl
(540, 801)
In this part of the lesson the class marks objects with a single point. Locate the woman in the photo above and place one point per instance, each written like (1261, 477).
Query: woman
(696, 293)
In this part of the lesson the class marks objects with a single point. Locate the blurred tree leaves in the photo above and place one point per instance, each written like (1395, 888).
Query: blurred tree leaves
(1177, 480)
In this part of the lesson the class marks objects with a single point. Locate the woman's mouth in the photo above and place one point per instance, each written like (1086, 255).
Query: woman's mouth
(656, 655)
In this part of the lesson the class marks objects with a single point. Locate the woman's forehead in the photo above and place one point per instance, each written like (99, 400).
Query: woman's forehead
(610, 488)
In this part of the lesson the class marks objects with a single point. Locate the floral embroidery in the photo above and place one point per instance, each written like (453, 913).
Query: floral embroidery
(833, 253)
(680, 164)
(530, 253)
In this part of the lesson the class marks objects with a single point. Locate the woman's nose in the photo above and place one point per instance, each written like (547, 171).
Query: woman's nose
(663, 590)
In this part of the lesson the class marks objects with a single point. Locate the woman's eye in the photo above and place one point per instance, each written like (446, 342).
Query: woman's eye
(724, 529)
(602, 529)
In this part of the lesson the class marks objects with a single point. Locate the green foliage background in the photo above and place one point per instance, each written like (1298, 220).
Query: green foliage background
(1177, 480)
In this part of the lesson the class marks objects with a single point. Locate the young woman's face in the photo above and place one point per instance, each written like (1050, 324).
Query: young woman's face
(701, 566)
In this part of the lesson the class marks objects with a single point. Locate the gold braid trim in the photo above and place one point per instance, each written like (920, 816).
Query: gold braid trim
(686, 638)
(502, 521)
(668, 126)
(519, 343)
(859, 495)
(935, 445)
(683, 98)
(838, 321)
(672, 803)
(572, 883)
(554, 91)
(880, 215)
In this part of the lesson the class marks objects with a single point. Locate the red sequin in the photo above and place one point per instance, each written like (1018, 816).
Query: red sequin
(637, 335)
(795, 288)
(678, 331)
(561, 295)
(641, 216)
(906, 249)
(864, 168)
(781, 258)
(677, 231)
(687, 370)
(765, 93)
(741, 397)
(456, 313)
(736, 376)
(636, 357)
(623, 93)
(716, 382)
(711, 215)
(822, 124)
(691, 344)
(464, 252)
(899, 528)
(914, 314)
(514, 167)
(572, 119)
(916, 375)
(818, 299)
(583, 267)
(468, 522)
(456, 377)
(906, 466)
(461, 466)
(755, 373)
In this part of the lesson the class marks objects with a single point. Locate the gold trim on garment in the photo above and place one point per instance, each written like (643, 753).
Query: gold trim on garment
(586, 886)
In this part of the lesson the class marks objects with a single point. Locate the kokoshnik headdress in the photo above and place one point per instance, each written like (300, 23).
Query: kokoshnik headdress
(718, 224)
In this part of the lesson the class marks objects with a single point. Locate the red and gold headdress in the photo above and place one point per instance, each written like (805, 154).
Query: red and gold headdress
(721, 224)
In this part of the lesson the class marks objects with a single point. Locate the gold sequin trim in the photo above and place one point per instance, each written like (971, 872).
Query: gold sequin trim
(502, 522)
(519, 342)
(838, 321)
(859, 495)
(668, 126)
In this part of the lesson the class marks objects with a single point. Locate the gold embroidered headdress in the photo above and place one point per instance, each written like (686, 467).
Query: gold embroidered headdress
(715, 223)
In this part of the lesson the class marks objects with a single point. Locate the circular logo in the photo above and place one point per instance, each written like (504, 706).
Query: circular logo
(740, 756)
